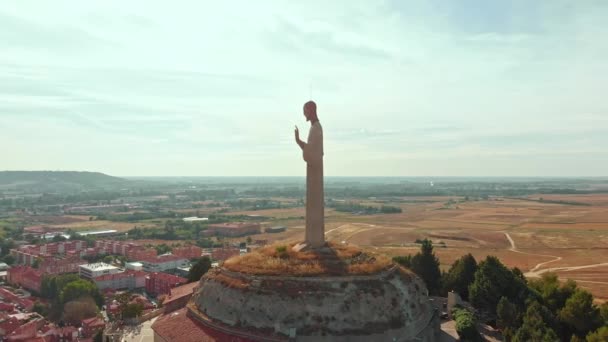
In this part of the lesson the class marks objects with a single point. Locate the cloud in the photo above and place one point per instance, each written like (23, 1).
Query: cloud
(16, 32)
(288, 36)
(403, 88)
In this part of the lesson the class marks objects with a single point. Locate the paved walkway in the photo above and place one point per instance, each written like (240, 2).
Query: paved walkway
(140, 333)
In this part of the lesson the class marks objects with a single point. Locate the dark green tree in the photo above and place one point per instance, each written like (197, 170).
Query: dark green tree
(199, 269)
(162, 249)
(506, 313)
(466, 325)
(9, 259)
(492, 281)
(553, 294)
(403, 260)
(40, 308)
(80, 288)
(534, 328)
(604, 313)
(460, 276)
(579, 314)
(426, 265)
(132, 310)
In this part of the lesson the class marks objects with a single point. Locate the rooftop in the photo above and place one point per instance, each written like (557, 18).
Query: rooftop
(194, 219)
(167, 277)
(119, 275)
(181, 291)
(98, 266)
(178, 326)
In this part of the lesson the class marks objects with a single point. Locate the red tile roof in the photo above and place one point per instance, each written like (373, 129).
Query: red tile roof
(93, 321)
(167, 277)
(177, 326)
(180, 291)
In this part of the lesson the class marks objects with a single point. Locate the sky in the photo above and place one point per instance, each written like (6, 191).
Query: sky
(215, 88)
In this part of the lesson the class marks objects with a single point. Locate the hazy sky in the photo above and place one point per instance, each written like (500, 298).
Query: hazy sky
(214, 88)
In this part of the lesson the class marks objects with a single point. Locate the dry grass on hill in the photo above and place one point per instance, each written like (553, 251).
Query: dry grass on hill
(280, 259)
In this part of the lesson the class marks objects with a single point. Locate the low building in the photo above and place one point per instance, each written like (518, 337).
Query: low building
(90, 271)
(61, 265)
(122, 280)
(179, 296)
(164, 263)
(277, 229)
(92, 326)
(19, 327)
(25, 276)
(233, 229)
(20, 302)
(195, 219)
(162, 283)
(188, 252)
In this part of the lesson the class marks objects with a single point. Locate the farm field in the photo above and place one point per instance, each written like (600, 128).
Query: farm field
(528, 234)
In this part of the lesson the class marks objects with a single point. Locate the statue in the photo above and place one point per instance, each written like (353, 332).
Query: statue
(312, 151)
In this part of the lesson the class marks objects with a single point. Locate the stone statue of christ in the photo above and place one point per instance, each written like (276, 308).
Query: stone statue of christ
(312, 151)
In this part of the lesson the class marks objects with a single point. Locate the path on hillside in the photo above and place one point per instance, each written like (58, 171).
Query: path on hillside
(536, 271)
(351, 224)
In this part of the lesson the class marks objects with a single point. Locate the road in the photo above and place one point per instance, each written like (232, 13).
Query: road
(536, 271)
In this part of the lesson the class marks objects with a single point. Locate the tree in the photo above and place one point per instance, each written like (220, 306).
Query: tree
(80, 288)
(82, 308)
(199, 269)
(58, 238)
(553, 294)
(506, 313)
(108, 259)
(162, 249)
(426, 265)
(9, 259)
(466, 326)
(461, 275)
(533, 327)
(41, 309)
(132, 310)
(492, 281)
(600, 335)
(579, 314)
(403, 260)
(604, 312)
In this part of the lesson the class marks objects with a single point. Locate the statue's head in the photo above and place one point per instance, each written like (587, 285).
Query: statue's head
(310, 111)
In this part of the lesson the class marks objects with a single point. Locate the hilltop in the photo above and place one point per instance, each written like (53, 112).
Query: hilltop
(56, 179)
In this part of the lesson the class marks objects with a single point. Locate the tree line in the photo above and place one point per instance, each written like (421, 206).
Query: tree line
(524, 310)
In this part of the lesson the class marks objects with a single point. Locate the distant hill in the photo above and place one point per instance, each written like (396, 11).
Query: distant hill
(49, 180)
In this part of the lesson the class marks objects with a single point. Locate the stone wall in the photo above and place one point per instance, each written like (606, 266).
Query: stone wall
(392, 305)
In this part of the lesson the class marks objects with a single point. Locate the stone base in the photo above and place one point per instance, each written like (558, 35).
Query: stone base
(391, 305)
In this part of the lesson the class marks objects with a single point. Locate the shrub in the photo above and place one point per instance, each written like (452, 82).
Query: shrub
(282, 252)
(466, 325)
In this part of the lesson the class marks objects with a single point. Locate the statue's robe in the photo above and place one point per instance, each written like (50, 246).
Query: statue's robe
(315, 201)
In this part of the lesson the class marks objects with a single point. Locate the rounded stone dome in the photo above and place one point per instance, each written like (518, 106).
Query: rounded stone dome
(342, 295)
